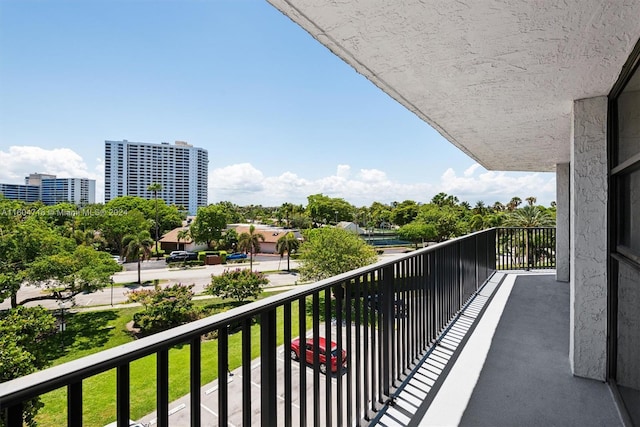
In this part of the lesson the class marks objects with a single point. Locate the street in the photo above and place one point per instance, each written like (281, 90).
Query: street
(199, 276)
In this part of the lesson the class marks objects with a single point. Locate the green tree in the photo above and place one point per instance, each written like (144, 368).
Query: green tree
(116, 226)
(300, 221)
(164, 308)
(229, 239)
(530, 216)
(326, 210)
(184, 234)
(209, 224)
(287, 243)
(250, 242)
(169, 217)
(137, 247)
(514, 203)
(404, 212)
(443, 199)
(155, 187)
(32, 251)
(379, 213)
(24, 333)
(238, 284)
(329, 251)
(417, 232)
(66, 274)
(447, 219)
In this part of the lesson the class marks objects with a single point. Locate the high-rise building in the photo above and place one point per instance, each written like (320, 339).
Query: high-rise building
(75, 190)
(51, 190)
(181, 169)
(24, 192)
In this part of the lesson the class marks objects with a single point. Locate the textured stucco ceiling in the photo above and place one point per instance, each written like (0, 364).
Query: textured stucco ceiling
(496, 78)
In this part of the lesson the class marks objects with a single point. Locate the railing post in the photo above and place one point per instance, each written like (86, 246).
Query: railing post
(195, 373)
(123, 393)
(223, 369)
(387, 329)
(74, 404)
(268, 375)
(13, 415)
(162, 387)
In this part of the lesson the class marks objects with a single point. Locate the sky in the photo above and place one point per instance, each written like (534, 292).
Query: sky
(282, 117)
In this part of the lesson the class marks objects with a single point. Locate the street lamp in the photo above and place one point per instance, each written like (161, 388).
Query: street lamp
(63, 326)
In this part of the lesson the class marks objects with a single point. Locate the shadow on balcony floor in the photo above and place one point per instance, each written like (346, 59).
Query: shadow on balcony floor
(526, 379)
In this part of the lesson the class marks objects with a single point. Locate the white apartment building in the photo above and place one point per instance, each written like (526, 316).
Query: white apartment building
(80, 191)
(51, 190)
(181, 169)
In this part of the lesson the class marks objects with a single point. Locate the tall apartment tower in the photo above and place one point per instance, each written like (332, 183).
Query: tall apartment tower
(181, 169)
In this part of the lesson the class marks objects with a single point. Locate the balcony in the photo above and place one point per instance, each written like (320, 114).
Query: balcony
(417, 331)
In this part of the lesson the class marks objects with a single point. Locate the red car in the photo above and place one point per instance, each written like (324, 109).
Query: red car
(321, 348)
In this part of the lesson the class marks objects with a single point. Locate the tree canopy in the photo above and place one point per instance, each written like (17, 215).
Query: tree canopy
(209, 224)
(329, 251)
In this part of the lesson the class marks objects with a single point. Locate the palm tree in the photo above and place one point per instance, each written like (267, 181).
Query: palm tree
(514, 203)
(155, 187)
(531, 200)
(287, 243)
(138, 246)
(498, 207)
(183, 234)
(250, 242)
(530, 216)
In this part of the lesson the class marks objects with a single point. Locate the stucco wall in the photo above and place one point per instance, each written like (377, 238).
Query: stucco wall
(563, 226)
(588, 241)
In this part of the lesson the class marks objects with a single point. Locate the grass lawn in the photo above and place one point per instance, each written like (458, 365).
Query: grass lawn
(97, 331)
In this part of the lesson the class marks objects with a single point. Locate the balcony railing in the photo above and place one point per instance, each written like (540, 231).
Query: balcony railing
(526, 248)
(385, 316)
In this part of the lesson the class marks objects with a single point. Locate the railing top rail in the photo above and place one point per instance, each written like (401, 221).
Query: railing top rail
(76, 370)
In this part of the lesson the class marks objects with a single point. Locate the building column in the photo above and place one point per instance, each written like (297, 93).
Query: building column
(563, 223)
(588, 239)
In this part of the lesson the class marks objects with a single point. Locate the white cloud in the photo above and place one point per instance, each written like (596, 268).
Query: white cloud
(343, 171)
(471, 169)
(244, 184)
(491, 186)
(19, 161)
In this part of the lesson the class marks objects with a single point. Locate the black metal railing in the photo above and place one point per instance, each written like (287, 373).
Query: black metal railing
(385, 316)
(526, 248)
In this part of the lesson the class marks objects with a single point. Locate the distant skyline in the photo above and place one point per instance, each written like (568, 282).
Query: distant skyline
(281, 116)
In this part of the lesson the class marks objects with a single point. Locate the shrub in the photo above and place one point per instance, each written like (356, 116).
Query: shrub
(239, 284)
(164, 307)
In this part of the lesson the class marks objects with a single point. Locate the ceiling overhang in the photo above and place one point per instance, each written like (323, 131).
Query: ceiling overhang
(495, 78)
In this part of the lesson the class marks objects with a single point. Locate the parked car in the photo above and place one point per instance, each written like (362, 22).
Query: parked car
(177, 256)
(321, 348)
(236, 255)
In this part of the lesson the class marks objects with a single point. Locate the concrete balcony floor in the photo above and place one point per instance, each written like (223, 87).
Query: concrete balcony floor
(513, 367)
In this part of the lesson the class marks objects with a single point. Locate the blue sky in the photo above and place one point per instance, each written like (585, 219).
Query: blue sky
(280, 115)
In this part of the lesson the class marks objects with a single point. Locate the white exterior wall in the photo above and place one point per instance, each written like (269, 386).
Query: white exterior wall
(563, 222)
(588, 242)
(193, 181)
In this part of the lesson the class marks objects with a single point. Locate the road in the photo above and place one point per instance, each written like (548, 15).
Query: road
(124, 281)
